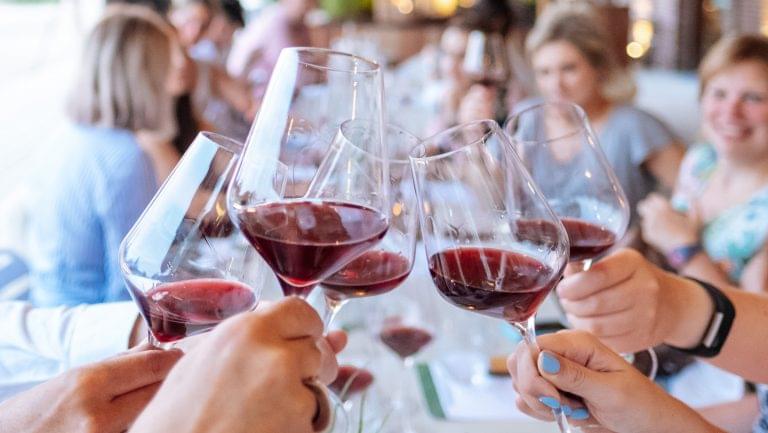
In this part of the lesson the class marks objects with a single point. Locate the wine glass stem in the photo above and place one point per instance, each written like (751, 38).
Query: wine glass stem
(332, 308)
(157, 344)
(584, 265)
(403, 397)
(528, 331)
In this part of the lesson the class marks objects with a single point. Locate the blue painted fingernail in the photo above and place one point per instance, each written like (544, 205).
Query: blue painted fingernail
(549, 363)
(579, 414)
(549, 402)
(567, 410)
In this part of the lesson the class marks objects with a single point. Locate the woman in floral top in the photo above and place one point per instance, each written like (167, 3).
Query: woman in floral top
(716, 226)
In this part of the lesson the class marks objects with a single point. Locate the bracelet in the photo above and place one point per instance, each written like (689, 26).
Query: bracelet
(719, 324)
(680, 256)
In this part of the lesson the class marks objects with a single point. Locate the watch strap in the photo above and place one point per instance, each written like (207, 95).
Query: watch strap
(719, 325)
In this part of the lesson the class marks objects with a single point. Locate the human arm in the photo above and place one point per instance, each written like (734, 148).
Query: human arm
(37, 344)
(248, 375)
(754, 277)
(613, 394)
(104, 397)
(631, 304)
(664, 164)
(734, 416)
(236, 92)
(666, 229)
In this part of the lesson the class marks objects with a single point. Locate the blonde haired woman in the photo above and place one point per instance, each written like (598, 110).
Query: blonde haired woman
(102, 172)
(573, 61)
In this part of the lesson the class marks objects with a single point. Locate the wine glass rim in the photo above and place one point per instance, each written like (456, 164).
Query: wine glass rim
(420, 151)
(348, 123)
(227, 143)
(372, 66)
(575, 107)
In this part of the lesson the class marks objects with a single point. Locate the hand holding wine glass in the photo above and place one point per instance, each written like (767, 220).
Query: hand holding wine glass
(493, 244)
(615, 396)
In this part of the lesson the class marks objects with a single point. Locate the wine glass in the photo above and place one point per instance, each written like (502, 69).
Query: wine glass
(307, 239)
(385, 266)
(406, 324)
(493, 244)
(486, 63)
(560, 150)
(485, 59)
(186, 265)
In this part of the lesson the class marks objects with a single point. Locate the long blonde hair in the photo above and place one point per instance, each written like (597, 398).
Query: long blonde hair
(125, 67)
(579, 24)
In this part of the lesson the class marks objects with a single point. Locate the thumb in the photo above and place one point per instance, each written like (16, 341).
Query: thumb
(573, 378)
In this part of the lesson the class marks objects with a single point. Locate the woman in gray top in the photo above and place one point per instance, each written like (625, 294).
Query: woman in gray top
(573, 62)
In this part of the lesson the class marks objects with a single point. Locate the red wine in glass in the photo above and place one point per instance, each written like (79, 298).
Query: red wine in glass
(373, 273)
(183, 308)
(305, 240)
(494, 282)
(351, 380)
(588, 240)
(403, 339)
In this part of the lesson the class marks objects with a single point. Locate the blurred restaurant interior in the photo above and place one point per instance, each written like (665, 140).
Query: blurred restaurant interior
(167, 164)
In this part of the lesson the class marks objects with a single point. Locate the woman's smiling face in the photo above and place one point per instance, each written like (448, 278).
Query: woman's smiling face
(735, 111)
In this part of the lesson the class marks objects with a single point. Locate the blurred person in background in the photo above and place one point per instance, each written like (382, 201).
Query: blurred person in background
(104, 166)
(257, 47)
(211, 99)
(573, 62)
(492, 19)
(714, 228)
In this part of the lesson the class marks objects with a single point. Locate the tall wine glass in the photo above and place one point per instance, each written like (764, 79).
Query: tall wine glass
(304, 239)
(186, 265)
(493, 244)
(388, 264)
(560, 150)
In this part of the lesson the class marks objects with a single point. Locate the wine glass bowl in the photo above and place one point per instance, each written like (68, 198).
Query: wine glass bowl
(305, 238)
(472, 201)
(560, 150)
(388, 264)
(184, 262)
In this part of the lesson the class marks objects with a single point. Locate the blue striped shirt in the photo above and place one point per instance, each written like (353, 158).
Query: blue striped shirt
(93, 186)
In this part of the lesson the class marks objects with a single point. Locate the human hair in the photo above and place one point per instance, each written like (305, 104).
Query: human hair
(579, 24)
(234, 12)
(728, 52)
(489, 16)
(125, 66)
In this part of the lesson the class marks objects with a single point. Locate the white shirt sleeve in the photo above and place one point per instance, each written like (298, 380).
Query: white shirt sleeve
(37, 344)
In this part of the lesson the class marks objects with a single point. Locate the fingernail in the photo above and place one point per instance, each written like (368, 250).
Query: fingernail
(567, 411)
(549, 363)
(549, 402)
(579, 414)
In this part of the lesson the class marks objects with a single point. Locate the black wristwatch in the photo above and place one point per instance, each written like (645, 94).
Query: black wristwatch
(719, 324)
